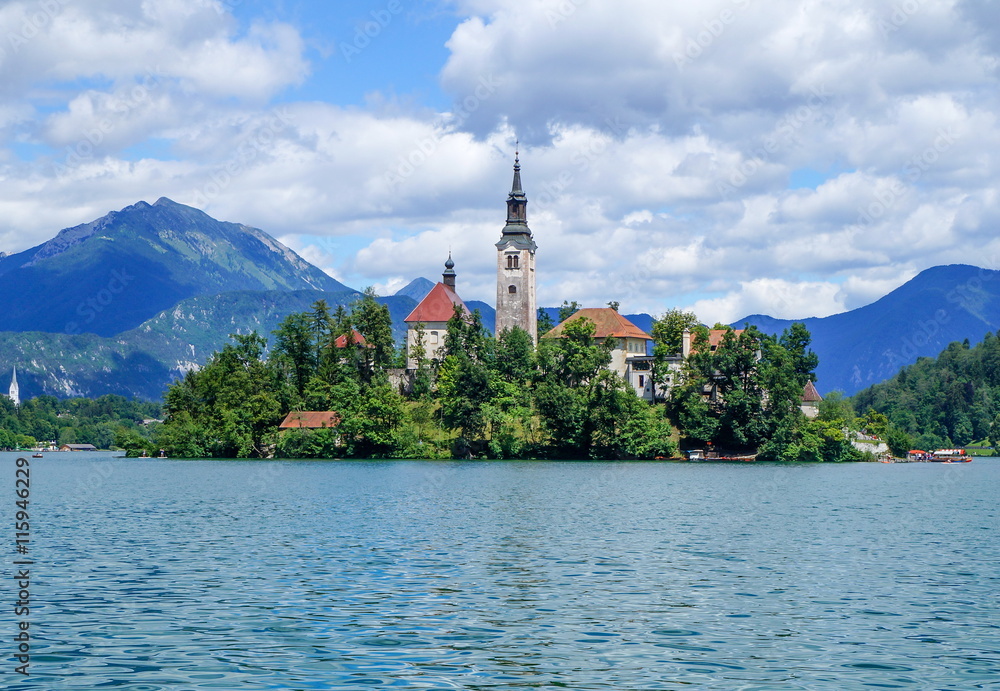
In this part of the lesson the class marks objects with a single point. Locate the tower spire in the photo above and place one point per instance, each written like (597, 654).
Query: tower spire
(516, 263)
(14, 392)
(448, 277)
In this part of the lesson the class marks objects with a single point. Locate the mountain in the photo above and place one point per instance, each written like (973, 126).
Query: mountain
(142, 362)
(919, 319)
(416, 289)
(112, 274)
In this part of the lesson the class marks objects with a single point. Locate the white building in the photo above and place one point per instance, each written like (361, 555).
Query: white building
(628, 358)
(15, 394)
(433, 314)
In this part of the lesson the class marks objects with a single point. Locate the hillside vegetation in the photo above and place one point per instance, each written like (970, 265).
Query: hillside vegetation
(948, 401)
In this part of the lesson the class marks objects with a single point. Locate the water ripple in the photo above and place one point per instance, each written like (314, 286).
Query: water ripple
(341, 575)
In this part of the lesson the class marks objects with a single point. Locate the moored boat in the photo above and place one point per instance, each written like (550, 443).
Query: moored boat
(950, 456)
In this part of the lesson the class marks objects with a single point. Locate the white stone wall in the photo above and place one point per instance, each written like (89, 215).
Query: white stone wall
(434, 333)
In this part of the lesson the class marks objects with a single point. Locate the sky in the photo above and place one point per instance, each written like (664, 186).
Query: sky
(731, 157)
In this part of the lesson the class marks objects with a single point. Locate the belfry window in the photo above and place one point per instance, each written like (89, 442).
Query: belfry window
(512, 261)
(512, 289)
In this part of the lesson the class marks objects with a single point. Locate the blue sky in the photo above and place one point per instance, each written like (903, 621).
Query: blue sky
(728, 156)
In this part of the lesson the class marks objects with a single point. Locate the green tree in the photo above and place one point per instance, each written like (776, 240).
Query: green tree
(296, 350)
(545, 323)
(567, 310)
(374, 323)
(796, 340)
(668, 332)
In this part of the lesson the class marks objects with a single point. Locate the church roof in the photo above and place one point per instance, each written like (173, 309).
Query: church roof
(437, 306)
(810, 394)
(608, 322)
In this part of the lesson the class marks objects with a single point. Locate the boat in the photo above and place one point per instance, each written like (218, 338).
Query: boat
(37, 455)
(698, 455)
(950, 456)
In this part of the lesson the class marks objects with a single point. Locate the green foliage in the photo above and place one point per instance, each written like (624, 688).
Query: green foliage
(545, 323)
(949, 401)
(668, 332)
(812, 441)
(745, 395)
(898, 441)
(498, 397)
(567, 310)
(835, 407)
(103, 422)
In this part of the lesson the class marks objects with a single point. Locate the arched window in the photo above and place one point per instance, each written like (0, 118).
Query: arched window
(512, 261)
(512, 289)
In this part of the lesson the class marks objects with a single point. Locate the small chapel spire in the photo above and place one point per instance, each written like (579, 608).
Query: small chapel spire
(448, 277)
(14, 391)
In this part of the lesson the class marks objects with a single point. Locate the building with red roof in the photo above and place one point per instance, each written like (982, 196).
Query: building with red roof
(810, 400)
(433, 314)
(311, 419)
(715, 338)
(356, 339)
(629, 357)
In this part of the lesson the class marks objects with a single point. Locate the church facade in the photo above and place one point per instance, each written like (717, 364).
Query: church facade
(431, 317)
(516, 303)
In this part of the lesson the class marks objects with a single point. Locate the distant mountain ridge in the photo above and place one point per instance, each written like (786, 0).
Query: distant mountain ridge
(919, 319)
(112, 274)
(127, 302)
(142, 362)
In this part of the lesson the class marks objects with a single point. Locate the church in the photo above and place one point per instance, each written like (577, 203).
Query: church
(14, 391)
(516, 303)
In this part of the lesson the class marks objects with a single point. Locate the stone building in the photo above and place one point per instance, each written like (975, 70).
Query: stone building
(432, 314)
(628, 358)
(516, 302)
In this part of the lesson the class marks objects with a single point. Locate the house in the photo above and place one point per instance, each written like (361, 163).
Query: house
(715, 337)
(629, 357)
(810, 401)
(432, 315)
(356, 340)
(78, 447)
(311, 419)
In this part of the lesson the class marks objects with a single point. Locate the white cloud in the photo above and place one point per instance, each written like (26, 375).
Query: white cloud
(658, 141)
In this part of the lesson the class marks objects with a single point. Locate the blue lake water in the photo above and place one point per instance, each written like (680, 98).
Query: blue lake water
(164, 574)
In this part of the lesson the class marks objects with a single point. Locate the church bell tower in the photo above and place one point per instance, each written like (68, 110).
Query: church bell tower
(516, 304)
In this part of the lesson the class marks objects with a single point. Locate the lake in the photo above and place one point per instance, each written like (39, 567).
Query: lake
(170, 574)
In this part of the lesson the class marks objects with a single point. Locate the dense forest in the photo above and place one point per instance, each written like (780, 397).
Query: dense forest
(497, 397)
(950, 401)
(104, 422)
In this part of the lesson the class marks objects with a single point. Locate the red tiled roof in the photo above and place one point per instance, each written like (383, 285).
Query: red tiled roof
(608, 322)
(810, 394)
(715, 336)
(341, 341)
(310, 419)
(437, 306)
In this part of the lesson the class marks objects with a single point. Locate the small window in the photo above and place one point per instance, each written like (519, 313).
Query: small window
(512, 289)
(642, 381)
(434, 337)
